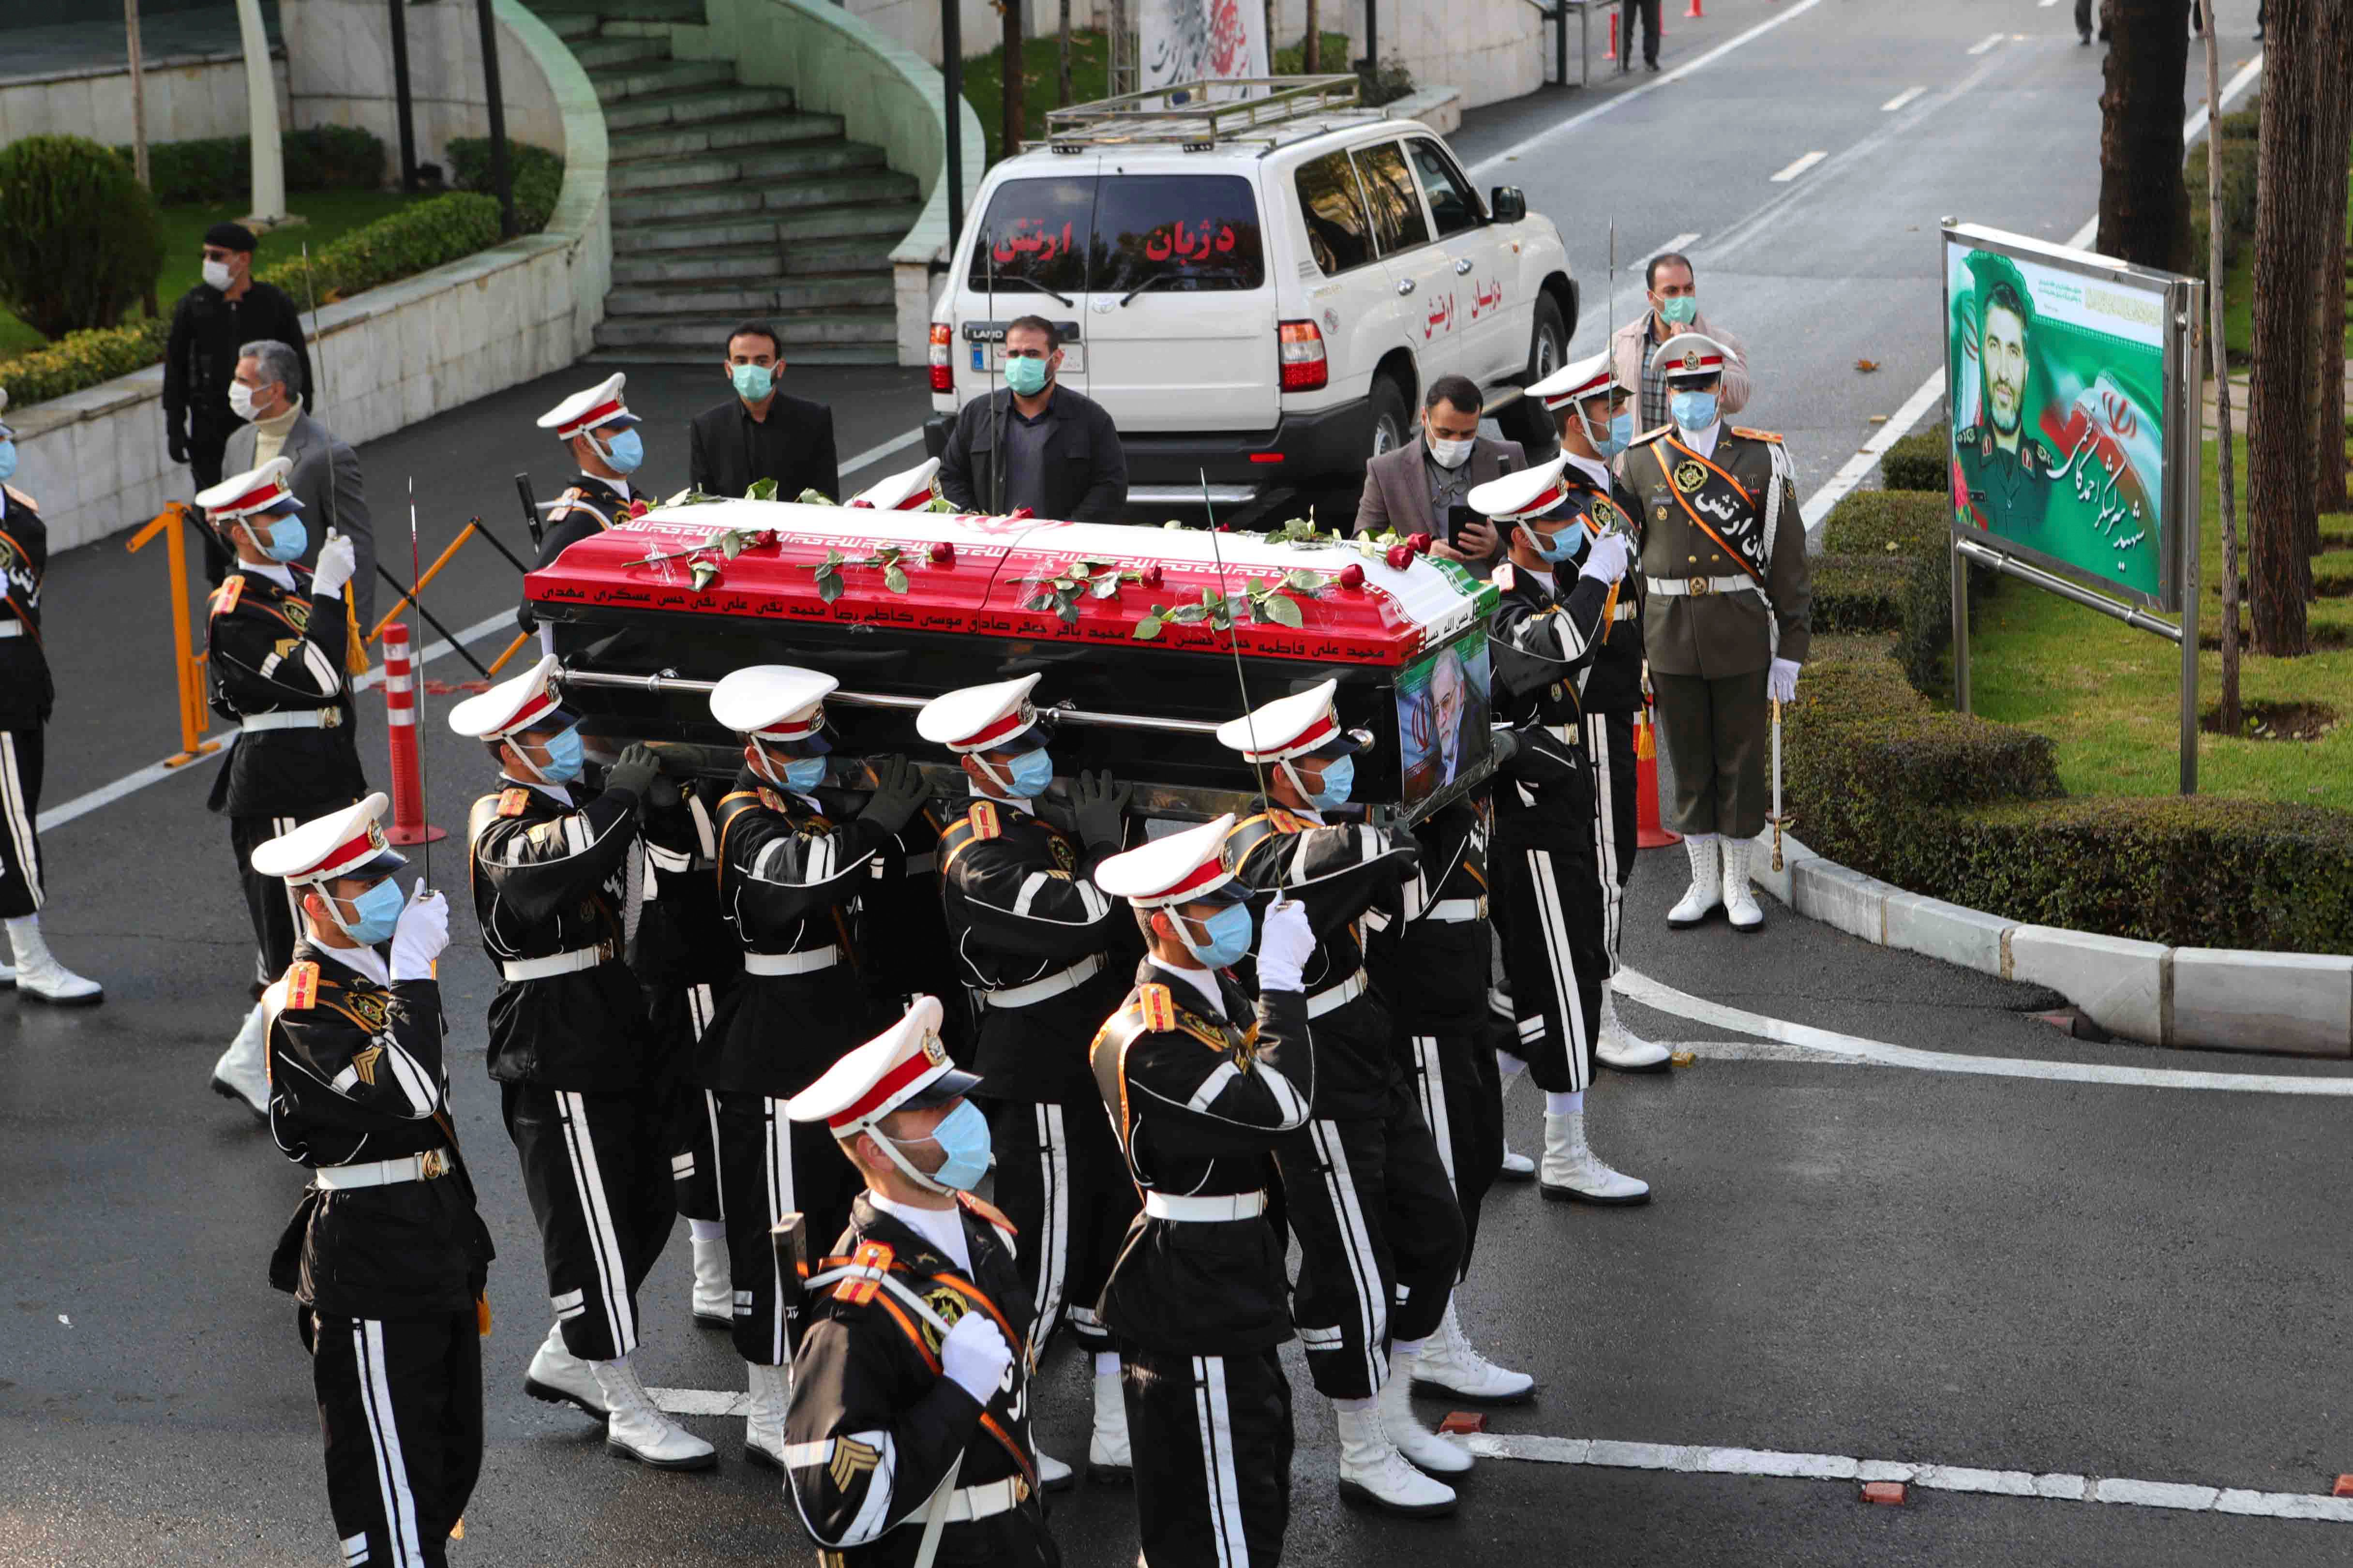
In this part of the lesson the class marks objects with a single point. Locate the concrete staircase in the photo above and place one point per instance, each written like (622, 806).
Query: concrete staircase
(727, 204)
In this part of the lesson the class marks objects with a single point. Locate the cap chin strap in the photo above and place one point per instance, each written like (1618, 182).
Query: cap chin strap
(1297, 783)
(890, 1147)
(760, 767)
(515, 745)
(1593, 436)
(1000, 780)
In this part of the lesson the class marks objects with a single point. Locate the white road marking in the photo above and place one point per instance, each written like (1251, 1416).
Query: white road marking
(1982, 45)
(1636, 986)
(1701, 1459)
(1799, 167)
(2046, 4)
(1679, 241)
(1901, 98)
(1522, 147)
(873, 455)
(700, 1401)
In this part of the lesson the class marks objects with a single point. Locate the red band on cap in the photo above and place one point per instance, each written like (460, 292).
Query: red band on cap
(790, 731)
(599, 412)
(922, 497)
(889, 1085)
(1554, 400)
(1208, 874)
(269, 493)
(358, 851)
(1314, 735)
(998, 729)
(1544, 502)
(538, 707)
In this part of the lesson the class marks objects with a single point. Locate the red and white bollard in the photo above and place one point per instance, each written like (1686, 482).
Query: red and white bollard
(408, 823)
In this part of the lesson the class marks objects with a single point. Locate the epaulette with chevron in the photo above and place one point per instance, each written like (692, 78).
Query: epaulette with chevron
(225, 597)
(1158, 1007)
(512, 800)
(1755, 434)
(301, 986)
(983, 817)
(869, 1264)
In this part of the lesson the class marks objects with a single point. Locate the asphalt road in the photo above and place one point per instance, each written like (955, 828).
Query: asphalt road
(2101, 1279)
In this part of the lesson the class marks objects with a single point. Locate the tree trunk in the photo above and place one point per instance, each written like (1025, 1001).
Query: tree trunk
(2218, 314)
(1062, 58)
(1310, 52)
(1016, 115)
(2329, 431)
(2144, 204)
(2291, 230)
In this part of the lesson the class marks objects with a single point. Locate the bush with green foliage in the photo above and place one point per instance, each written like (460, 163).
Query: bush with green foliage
(1919, 462)
(2239, 165)
(220, 168)
(81, 359)
(1905, 534)
(537, 175)
(80, 241)
(1858, 593)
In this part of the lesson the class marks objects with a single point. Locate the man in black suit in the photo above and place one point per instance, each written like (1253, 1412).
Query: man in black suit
(761, 433)
(1035, 443)
(1415, 488)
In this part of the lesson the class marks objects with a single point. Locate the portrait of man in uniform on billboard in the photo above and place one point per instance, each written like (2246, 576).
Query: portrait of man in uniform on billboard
(2002, 465)
(1443, 717)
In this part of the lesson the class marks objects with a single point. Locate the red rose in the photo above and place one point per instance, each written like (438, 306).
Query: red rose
(1400, 556)
(1352, 576)
(1418, 543)
(943, 553)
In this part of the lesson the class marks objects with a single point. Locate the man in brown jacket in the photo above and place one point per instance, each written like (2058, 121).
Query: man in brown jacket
(1673, 301)
(1726, 616)
(1415, 488)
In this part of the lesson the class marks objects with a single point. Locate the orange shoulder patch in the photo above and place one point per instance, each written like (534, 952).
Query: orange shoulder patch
(869, 1263)
(301, 986)
(1755, 434)
(512, 800)
(983, 817)
(225, 597)
(1159, 1007)
(982, 1208)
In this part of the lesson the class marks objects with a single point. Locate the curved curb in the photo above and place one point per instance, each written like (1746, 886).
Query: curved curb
(2289, 1003)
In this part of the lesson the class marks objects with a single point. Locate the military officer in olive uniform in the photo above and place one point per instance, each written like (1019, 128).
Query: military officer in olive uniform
(2003, 480)
(1725, 620)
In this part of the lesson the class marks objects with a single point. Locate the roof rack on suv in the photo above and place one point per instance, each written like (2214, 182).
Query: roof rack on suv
(1200, 114)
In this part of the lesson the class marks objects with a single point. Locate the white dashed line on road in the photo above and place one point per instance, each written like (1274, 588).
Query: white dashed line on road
(1982, 45)
(1679, 242)
(2057, 1487)
(1799, 167)
(873, 455)
(1901, 98)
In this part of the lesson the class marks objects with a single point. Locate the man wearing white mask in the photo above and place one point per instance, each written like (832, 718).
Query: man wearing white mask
(1422, 486)
(325, 477)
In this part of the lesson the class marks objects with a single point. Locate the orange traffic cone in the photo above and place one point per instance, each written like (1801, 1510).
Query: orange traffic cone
(1648, 834)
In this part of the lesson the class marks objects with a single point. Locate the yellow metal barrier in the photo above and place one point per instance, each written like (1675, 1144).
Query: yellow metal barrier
(187, 662)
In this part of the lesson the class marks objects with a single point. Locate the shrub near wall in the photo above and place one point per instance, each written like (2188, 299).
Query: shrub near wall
(80, 360)
(536, 174)
(220, 168)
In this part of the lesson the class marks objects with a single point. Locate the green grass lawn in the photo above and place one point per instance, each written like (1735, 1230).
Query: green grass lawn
(331, 214)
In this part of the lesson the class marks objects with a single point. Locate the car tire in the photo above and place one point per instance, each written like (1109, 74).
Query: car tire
(1547, 340)
(1392, 416)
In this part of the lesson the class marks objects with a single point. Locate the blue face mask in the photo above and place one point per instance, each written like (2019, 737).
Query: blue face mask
(962, 1137)
(753, 381)
(377, 912)
(1613, 439)
(1694, 410)
(564, 755)
(625, 451)
(1228, 931)
(1562, 545)
(1339, 778)
(802, 774)
(1026, 376)
(7, 459)
(1031, 772)
(287, 539)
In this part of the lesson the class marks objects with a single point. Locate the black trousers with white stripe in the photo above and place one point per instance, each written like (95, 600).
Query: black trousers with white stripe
(20, 807)
(1062, 1182)
(597, 1170)
(1551, 919)
(1454, 1079)
(400, 1405)
(1211, 1440)
(1609, 742)
(679, 1018)
(1380, 1240)
(770, 1166)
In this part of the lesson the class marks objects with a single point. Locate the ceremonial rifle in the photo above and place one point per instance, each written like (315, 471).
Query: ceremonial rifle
(418, 729)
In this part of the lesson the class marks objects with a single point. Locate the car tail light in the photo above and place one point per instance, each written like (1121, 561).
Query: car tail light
(1305, 368)
(943, 345)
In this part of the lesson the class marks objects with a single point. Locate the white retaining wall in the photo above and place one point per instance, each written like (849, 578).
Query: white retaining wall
(187, 99)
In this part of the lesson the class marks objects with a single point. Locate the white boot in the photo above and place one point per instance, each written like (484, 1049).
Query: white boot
(1623, 1049)
(636, 1430)
(1450, 1365)
(1053, 1476)
(1516, 1166)
(1108, 1460)
(764, 1423)
(240, 1074)
(1572, 1173)
(1373, 1472)
(1706, 890)
(559, 1377)
(1508, 1069)
(1419, 1445)
(1739, 898)
(39, 974)
(714, 1283)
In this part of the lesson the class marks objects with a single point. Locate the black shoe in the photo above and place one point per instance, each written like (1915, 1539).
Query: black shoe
(1653, 65)
(2088, 38)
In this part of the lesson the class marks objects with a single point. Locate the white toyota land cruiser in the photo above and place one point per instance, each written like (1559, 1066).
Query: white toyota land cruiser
(1257, 288)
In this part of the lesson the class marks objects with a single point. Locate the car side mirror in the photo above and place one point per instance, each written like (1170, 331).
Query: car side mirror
(1509, 203)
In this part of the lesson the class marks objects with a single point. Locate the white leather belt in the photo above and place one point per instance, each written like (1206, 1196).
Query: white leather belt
(1456, 912)
(1054, 985)
(1697, 587)
(983, 1502)
(422, 1167)
(1338, 997)
(554, 964)
(807, 963)
(301, 719)
(11, 629)
(1203, 1210)
(1626, 610)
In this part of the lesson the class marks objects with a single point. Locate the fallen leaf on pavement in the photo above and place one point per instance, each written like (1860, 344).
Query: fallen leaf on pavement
(1866, 365)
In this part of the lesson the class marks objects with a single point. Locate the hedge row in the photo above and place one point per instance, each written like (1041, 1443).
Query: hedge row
(536, 174)
(80, 360)
(1920, 461)
(220, 168)
(1886, 566)
(2238, 198)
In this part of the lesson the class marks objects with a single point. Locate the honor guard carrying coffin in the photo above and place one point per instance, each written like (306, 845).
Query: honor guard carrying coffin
(1724, 566)
(275, 644)
(385, 1253)
(1364, 1188)
(794, 856)
(571, 1048)
(599, 427)
(26, 696)
(1596, 419)
(1549, 907)
(1201, 1083)
(1038, 944)
(909, 1426)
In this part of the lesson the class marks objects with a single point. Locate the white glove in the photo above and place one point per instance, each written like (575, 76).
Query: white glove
(1782, 684)
(419, 935)
(337, 562)
(975, 1355)
(1606, 561)
(1283, 945)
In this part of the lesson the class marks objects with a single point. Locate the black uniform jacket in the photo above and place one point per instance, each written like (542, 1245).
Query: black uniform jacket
(280, 650)
(549, 878)
(909, 950)
(1433, 972)
(874, 1425)
(1613, 682)
(26, 692)
(587, 508)
(1022, 906)
(355, 1075)
(1337, 871)
(1542, 647)
(1198, 1100)
(682, 942)
(791, 871)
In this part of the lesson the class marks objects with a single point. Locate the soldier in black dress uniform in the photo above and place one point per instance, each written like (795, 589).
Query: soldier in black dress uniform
(571, 1048)
(385, 1253)
(794, 855)
(276, 642)
(26, 695)
(1549, 907)
(1040, 949)
(599, 427)
(909, 1425)
(1364, 1188)
(1202, 1083)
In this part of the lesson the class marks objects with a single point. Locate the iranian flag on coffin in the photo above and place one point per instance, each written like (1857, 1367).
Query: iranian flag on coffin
(2112, 457)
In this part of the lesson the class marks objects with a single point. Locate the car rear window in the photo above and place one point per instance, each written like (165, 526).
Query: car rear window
(1116, 233)
(1339, 235)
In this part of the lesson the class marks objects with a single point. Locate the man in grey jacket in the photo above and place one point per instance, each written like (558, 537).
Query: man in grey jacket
(326, 474)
